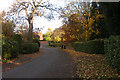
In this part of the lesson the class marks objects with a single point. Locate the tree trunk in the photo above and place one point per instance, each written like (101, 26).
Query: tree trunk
(30, 32)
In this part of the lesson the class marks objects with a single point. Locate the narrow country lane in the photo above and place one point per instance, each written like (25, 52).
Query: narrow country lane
(54, 63)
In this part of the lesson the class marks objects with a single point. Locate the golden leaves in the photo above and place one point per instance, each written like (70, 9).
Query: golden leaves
(81, 20)
(92, 65)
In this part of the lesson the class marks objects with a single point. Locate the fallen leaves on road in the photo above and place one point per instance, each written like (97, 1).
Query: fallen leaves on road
(92, 65)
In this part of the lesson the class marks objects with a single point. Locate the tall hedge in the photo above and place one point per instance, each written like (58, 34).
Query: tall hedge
(10, 49)
(36, 41)
(112, 51)
(28, 48)
(18, 38)
(93, 46)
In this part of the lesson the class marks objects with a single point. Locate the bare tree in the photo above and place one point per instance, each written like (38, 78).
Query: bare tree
(28, 10)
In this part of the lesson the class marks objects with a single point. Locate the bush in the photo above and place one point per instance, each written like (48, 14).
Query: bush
(112, 51)
(36, 41)
(10, 49)
(54, 44)
(14, 48)
(36, 47)
(18, 38)
(28, 48)
(63, 46)
(93, 46)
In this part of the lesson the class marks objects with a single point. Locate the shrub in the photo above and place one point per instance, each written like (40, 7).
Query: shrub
(54, 44)
(63, 46)
(36, 41)
(28, 48)
(14, 48)
(18, 38)
(36, 47)
(10, 49)
(93, 46)
(112, 51)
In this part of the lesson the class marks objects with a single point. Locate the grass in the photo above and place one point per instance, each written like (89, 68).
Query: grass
(92, 66)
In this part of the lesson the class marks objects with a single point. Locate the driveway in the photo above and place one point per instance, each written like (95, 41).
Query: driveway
(54, 63)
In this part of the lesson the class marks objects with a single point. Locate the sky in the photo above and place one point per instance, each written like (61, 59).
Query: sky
(41, 21)
(4, 4)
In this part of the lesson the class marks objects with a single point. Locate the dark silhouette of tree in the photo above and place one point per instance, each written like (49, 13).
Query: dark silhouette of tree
(112, 17)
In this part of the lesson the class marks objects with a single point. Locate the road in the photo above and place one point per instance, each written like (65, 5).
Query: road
(54, 63)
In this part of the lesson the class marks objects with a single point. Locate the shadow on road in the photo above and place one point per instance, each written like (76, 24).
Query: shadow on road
(54, 63)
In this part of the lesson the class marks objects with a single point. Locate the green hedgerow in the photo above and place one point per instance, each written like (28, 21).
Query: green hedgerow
(28, 48)
(9, 49)
(112, 51)
(36, 41)
(93, 46)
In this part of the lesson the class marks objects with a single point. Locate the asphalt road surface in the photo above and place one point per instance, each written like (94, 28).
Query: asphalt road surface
(54, 63)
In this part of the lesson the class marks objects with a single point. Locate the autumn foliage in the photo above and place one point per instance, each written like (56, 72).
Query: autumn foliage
(81, 21)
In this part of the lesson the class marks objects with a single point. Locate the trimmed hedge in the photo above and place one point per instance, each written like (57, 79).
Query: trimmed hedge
(54, 44)
(63, 46)
(36, 41)
(112, 51)
(57, 44)
(28, 48)
(10, 49)
(93, 46)
(18, 38)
